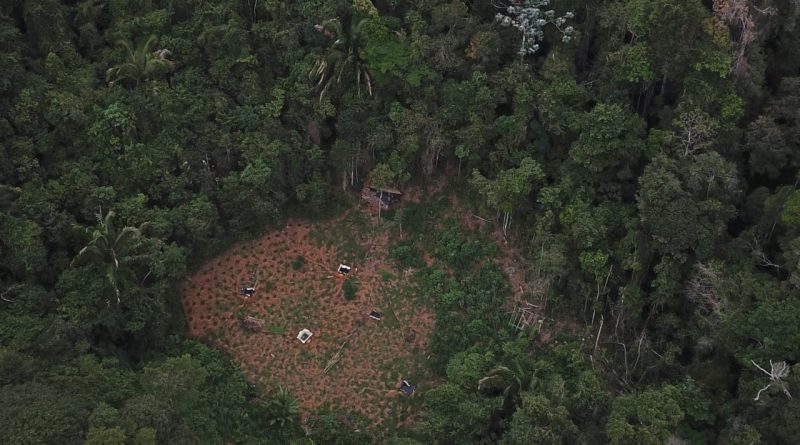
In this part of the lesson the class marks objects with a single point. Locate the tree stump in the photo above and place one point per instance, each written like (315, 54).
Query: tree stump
(253, 324)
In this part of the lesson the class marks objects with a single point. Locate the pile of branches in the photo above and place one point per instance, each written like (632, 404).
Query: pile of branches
(252, 323)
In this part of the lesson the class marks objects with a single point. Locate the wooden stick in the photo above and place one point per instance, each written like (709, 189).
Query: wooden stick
(482, 219)
(338, 355)
(597, 340)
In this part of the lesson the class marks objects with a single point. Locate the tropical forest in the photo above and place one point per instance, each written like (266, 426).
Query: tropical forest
(399, 222)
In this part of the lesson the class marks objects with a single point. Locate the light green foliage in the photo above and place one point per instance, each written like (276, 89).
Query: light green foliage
(653, 415)
(648, 22)
(540, 421)
(455, 415)
(559, 104)
(106, 436)
(631, 64)
(610, 137)
(791, 210)
(509, 186)
(464, 310)
(390, 55)
(586, 225)
(594, 263)
(382, 176)
(467, 368)
(647, 418)
(713, 60)
(406, 255)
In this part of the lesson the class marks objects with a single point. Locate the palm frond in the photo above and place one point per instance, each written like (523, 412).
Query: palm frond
(149, 42)
(334, 26)
(107, 223)
(369, 82)
(126, 234)
(497, 378)
(356, 29)
(127, 46)
(86, 255)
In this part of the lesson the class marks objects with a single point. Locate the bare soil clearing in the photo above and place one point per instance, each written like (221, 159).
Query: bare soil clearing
(293, 294)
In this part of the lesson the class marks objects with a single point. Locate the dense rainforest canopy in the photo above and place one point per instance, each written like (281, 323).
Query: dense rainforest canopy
(643, 154)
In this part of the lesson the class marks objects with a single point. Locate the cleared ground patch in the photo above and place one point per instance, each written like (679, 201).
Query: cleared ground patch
(293, 271)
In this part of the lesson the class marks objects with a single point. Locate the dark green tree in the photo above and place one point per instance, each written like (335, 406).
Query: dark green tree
(143, 62)
(344, 58)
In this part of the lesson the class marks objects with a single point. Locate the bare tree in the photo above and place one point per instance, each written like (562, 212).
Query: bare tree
(758, 253)
(778, 372)
(702, 290)
(742, 15)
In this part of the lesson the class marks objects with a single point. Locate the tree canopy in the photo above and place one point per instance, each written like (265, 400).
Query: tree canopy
(646, 150)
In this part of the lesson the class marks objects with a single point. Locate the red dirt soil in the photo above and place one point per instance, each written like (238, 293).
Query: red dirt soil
(376, 354)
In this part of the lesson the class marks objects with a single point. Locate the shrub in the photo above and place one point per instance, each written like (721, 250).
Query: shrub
(350, 289)
(406, 255)
(299, 262)
(385, 275)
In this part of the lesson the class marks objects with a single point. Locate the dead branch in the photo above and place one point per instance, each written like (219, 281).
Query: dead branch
(701, 290)
(599, 331)
(482, 219)
(778, 372)
(7, 291)
(758, 253)
(338, 354)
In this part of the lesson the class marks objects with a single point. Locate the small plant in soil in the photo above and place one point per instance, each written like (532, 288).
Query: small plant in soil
(350, 289)
(385, 275)
(272, 329)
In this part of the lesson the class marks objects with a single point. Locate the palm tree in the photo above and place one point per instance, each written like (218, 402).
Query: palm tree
(113, 249)
(144, 62)
(504, 380)
(345, 57)
(282, 409)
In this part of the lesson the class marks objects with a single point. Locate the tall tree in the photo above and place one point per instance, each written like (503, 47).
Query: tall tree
(344, 58)
(507, 382)
(114, 249)
(143, 62)
(381, 177)
(505, 191)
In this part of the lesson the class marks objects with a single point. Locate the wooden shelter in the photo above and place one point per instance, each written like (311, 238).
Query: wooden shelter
(387, 197)
(523, 315)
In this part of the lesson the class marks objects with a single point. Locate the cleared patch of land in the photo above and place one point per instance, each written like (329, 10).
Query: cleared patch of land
(293, 271)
